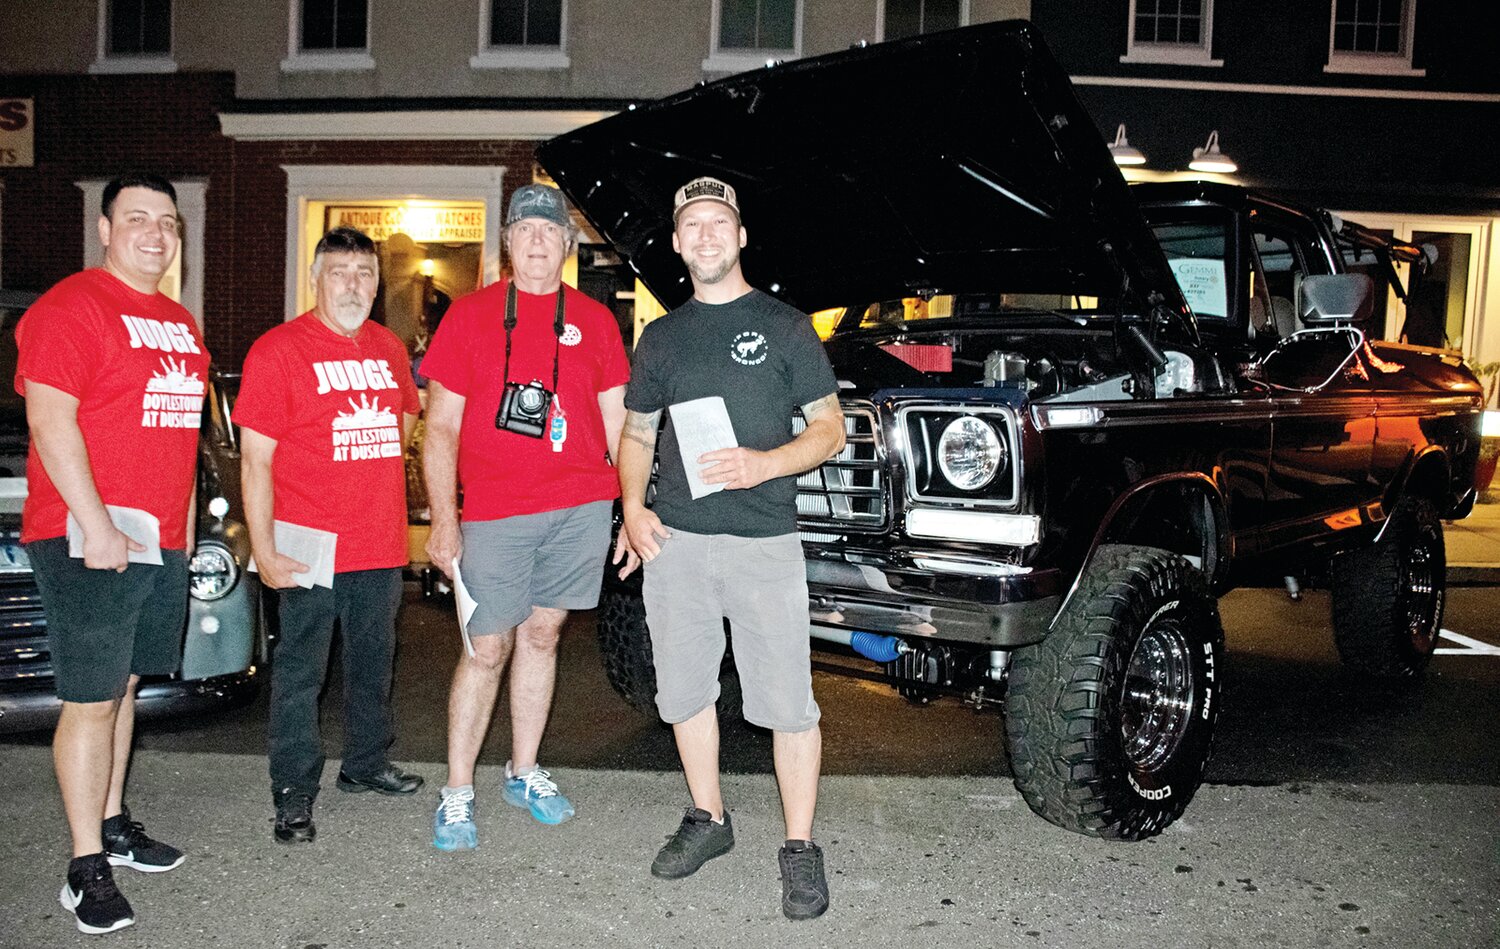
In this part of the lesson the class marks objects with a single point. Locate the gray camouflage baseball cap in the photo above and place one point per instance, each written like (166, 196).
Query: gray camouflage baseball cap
(538, 201)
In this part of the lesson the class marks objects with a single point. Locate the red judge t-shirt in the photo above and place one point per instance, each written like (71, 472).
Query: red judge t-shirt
(139, 370)
(334, 405)
(503, 473)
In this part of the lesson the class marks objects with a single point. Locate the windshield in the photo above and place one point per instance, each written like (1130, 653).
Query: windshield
(1195, 240)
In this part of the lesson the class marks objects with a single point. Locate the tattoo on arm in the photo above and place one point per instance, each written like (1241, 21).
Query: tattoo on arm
(641, 427)
(828, 406)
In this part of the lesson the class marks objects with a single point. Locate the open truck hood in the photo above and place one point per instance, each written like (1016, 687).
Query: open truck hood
(953, 161)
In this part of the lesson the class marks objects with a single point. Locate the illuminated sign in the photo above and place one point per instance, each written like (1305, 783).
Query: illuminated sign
(423, 224)
(17, 124)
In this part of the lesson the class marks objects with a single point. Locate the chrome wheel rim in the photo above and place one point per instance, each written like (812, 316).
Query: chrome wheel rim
(1420, 590)
(1157, 701)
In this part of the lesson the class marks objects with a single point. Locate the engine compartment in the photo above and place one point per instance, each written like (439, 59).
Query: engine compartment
(1072, 363)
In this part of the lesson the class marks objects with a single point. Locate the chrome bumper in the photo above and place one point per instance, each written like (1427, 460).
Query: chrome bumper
(38, 708)
(938, 596)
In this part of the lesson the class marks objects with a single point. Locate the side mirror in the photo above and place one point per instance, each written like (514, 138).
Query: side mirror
(1341, 299)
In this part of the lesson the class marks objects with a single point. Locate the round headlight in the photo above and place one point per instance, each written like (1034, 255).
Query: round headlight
(212, 573)
(970, 453)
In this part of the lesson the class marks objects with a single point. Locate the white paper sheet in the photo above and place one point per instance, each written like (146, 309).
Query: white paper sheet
(310, 546)
(140, 526)
(701, 426)
(466, 607)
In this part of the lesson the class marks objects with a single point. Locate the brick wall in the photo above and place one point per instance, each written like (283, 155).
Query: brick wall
(96, 127)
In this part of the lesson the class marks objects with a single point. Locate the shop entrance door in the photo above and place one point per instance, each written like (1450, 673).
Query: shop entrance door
(1443, 304)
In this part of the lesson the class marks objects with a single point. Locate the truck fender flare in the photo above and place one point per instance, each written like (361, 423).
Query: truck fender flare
(1221, 543)
(1421, 461)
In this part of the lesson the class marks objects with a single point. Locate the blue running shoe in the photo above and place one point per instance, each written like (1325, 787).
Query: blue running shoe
(536, 792)
(453, 824)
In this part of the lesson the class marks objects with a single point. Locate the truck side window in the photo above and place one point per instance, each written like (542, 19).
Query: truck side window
(1277, 270)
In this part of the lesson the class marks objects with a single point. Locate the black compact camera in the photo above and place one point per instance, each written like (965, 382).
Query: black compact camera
(524, 409)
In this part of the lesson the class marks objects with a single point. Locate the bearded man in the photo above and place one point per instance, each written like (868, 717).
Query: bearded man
(325, 408)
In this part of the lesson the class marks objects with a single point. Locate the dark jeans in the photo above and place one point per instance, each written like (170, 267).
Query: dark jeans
(364, 602)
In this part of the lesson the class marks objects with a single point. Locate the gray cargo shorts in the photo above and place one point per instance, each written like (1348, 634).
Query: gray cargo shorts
(553, 559)
(760, 585)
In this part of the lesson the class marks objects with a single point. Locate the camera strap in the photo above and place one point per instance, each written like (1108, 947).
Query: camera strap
(510, 324)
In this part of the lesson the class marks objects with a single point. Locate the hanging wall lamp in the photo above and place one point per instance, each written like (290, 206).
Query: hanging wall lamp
(1123, 152)
(1209, 158)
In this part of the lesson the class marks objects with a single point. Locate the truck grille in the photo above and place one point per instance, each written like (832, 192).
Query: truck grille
(847, 493)
(23, 630)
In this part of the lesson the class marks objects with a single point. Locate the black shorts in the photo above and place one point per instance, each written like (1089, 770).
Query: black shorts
(104, 626)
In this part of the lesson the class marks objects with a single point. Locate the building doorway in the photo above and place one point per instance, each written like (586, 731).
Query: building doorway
(1445, 305)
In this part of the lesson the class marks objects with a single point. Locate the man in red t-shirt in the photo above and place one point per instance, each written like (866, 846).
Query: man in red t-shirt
(525, 402)
(326, 405)
(114, 374)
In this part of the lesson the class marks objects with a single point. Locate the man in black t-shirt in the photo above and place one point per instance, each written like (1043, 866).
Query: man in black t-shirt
(733, 553)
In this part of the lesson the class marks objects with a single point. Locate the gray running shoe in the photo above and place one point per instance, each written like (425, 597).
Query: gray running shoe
(697, 840)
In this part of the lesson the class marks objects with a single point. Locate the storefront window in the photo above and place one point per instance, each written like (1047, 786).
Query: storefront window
(431, 253)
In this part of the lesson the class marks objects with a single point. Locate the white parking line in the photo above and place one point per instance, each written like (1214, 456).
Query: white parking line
(1471, 647)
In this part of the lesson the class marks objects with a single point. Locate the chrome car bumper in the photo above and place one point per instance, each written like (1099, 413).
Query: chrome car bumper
(38, 709)
(932, 595)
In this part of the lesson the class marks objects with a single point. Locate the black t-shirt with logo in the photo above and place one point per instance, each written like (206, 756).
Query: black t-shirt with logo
(763, 357)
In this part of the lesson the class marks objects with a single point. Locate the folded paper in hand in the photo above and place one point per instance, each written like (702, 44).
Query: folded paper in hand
(306, 545)
(466, 607)
(701, 426)
(140, 526)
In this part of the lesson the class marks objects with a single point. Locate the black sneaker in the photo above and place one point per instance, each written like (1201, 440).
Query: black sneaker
(127, 845)
(697, 841)
(804, 889)
(90, 895)
(294, 823)
(388, 780)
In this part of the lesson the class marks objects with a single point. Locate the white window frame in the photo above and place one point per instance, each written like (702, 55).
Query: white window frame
(106, 62)
(739, 60)
(1375, 64)
(1173, 54)
(519, 57)
(192, 208)
(325, 60)
(963, 17)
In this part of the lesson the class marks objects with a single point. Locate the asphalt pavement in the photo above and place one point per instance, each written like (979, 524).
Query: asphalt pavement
(912, 862)
(1401, 852)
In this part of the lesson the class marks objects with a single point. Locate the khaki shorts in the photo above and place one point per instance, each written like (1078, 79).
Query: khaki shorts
(760, 585)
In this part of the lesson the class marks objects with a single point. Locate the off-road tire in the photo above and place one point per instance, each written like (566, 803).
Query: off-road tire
(625, 646)
(1388, 597)
(1103, 741)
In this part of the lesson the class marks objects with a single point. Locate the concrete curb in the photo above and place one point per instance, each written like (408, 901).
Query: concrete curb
(1473, 575)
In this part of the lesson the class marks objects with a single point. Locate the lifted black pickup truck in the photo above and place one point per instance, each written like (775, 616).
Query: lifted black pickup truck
(1076, 414)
